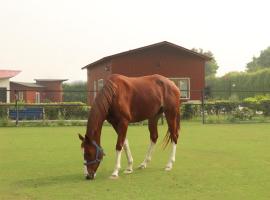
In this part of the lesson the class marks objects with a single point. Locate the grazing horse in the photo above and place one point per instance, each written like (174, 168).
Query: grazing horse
(123, 100)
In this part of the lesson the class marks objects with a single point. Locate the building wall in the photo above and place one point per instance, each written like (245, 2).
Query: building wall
(29, 93)
(53, 91)
(166, 61)
(101, 71)
(4, 83)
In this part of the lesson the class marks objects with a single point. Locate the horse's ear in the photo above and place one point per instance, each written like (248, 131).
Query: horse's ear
(81, 137)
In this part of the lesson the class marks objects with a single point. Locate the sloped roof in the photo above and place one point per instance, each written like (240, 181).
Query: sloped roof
(164, 43)
(26, 84)
(51, 80)
(8, 73)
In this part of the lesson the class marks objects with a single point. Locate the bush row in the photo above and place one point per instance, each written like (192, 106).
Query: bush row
(239, 84)
(245, 109)
(65, 111)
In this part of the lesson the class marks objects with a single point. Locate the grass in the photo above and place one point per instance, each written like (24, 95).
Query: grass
(212, 162)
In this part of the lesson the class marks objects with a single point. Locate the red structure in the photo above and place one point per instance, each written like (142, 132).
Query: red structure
(185, 67)
(44, 90)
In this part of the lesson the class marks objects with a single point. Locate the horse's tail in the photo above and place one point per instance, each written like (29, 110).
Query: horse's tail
(168, 136)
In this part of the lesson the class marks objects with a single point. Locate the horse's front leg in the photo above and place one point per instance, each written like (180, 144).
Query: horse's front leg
(121, 131)
(117, 165)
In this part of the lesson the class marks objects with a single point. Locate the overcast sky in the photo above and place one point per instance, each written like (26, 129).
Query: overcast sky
(56, 38)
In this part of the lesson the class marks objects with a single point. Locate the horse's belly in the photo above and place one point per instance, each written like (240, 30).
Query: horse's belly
(144, 112)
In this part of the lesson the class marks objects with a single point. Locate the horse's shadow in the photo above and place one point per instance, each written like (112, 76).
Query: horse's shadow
(51, 180)
(58, 180)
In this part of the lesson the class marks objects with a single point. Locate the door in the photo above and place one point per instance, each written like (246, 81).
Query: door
(3, 95)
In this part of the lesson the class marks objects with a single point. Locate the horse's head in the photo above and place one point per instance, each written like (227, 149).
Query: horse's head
(92, 154)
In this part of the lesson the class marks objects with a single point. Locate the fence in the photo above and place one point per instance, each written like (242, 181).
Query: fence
(209, 108)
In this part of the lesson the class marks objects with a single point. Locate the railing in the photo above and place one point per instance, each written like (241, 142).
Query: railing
(207, 108)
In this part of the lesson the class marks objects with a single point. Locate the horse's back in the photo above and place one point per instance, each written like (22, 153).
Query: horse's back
(144, 84)
(142, 97)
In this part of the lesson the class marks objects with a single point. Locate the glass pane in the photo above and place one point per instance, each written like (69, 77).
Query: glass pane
(100, 84)
(184, 88)
(175, 82)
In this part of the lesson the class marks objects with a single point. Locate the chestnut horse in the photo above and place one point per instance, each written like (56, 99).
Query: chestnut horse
(123, 100)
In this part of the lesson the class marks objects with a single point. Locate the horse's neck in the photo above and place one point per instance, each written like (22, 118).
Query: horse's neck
(94, 126)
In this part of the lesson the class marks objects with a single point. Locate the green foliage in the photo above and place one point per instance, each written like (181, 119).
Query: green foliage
(187, 111)
(211, 66)
(243, 114)
(257, 63)
(66, 111)
(235, 83)
(75, 92)
(259, 103)
(3, 111)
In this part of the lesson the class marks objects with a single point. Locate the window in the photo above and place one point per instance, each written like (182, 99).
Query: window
(95, 89)
(20, 96)
(3, 95)
(37, 97)
(184, 85)
(100, 84)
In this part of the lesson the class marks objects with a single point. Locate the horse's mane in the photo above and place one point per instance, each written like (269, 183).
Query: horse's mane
(101, 105)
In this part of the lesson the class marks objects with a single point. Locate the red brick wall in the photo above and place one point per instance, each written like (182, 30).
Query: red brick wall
(166, 61)
(53, 91)
(29, 93)
(100, 71)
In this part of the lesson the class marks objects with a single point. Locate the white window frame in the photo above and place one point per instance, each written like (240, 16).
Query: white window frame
(100, 82)
(37, 97)
(188, 90)
(95, 89)
(20, 95)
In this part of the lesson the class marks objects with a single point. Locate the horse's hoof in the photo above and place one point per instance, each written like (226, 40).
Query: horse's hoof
(128, 171)
(168, 168)
(113, 177)
(142, 166)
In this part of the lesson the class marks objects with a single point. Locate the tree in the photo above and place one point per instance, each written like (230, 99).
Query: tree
(211, 66)
(261, 62)
(75, 92)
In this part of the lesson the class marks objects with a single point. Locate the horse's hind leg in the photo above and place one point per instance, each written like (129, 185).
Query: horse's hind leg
(129, 168)
(152, 126)
(173, 126)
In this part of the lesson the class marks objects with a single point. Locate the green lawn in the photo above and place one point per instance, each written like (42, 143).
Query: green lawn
(212, 162)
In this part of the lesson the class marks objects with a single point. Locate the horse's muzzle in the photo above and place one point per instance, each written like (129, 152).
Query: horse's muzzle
(90, 176)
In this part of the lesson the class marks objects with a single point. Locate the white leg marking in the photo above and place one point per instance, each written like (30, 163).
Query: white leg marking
(148, 155)
(117, 165)
(129, 169)
(172, 158)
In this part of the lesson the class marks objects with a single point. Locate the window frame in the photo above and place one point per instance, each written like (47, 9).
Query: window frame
(98, 84)
(178, 86)
(95, 89)
(21, 96)
(37, 99)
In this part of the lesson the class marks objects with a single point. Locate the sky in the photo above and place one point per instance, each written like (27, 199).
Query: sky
(56, 38)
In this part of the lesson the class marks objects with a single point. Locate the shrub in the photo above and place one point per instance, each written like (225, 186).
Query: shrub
(3, 111)
(243, 114)
(186, 111)
(64, 111)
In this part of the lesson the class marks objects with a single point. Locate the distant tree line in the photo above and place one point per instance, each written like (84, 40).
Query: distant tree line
(75, 91)
(233, 84)
(256, 80)
(211, 66)
(261, 62)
